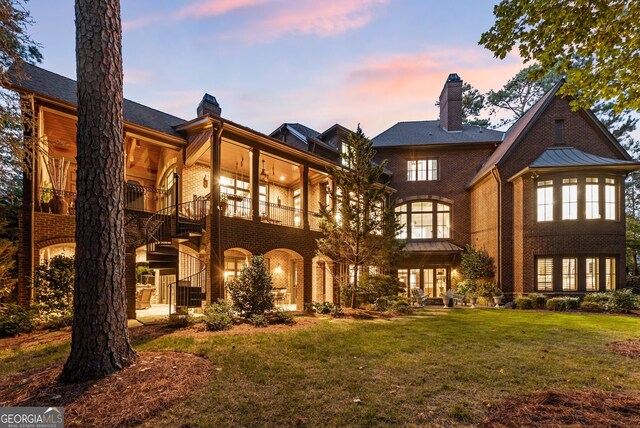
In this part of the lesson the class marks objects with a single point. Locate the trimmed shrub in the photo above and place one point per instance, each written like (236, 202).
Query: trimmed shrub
(323, 308)
(280, 316)
(55, 320)
(251, 291)
(336, 311)
(592, 306)
(623, 301)
(218, 316)
(572, 303)
(538, 300)
(382, 304)
(557, 304)
(15, 319)
(597, 297)
(258, 320)
(401, 305)
(53, 284)
(524, 303)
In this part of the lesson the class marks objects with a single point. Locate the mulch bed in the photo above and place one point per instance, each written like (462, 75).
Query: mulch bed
(155, 382)
(551, 409)
(628, 348)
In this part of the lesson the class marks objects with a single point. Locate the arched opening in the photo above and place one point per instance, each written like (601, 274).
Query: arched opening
(234, 260)
(287, 271)
(322, 280)
(65, 249)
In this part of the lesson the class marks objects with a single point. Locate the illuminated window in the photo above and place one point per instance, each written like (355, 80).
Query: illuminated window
(569, 274)
(403, 276)
(421, 220)
(443, 221)
(401, 214)
(346, 150)
(569, 199)
(610, 273)
(422, 169)
(545, 274)
(592, 198)
(592, 279)
(545, 200)
(610, 199)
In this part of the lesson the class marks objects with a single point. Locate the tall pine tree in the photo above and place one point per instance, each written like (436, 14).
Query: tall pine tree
(360, 226)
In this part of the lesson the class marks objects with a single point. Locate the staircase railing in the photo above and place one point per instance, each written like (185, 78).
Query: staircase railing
(179, 221)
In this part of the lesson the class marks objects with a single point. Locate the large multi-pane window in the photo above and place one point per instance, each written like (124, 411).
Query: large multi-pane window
(610, 273)
(591, 271)
(545, 200)
(592, 198)
(545, 273)
(422, 169)
(610, 199)
(424, 220)
(569, 274)
(569, 198)
(401, 214)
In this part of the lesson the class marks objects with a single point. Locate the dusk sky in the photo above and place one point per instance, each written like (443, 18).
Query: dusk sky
(374, 62)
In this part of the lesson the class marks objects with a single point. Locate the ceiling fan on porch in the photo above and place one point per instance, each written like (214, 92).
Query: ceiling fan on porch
(264, 174)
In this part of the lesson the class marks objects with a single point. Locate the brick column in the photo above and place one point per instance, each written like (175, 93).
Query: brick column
(216, 256)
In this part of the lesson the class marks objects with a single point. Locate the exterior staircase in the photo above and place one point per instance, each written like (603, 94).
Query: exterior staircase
(168, 232)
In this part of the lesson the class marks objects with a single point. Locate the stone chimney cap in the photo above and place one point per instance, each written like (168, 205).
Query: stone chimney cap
(208, 98)
(453, 77)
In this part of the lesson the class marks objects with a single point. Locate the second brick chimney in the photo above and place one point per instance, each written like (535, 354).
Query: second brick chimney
(209, 105)
(451, 104)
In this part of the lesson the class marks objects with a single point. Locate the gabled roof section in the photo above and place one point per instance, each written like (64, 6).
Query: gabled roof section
(514, 134)
(303, 130)
(429, 132)
(50, 85)
(570, 156)
(335, 128)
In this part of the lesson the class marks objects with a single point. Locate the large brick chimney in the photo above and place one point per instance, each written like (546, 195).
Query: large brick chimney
(451, 104)
(209, 105)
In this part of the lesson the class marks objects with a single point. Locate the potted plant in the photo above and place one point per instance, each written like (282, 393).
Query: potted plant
(497, 295)
(224, 202)
(45, 197)
(467, 288)
(473, 297)
(58, 171)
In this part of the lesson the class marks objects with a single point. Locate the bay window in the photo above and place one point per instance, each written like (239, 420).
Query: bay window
(610, 199)
(545, 200)
(424, 220)
(592, 198)
(569, 199)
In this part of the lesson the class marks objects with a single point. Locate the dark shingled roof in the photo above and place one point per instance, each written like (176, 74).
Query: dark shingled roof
(304, 130)
(433, 247)
(51, 85)
(429, 132)
(570, 156)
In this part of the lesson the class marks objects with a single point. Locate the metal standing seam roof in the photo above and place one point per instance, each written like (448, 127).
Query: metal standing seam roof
(433, 247)
(570, 156)
(51, 85)
(429, 132)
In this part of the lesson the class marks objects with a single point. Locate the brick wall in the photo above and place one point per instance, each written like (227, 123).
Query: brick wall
(192, 181)
(484, 216)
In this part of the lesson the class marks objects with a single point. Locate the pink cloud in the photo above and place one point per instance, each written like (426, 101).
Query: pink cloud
(199, 10)
(137, 77)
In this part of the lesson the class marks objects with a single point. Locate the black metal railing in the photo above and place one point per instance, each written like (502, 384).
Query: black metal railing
(235, 206)
(142, 198)
(280, 214)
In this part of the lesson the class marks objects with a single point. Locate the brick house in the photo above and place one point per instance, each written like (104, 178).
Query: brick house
(545, 199)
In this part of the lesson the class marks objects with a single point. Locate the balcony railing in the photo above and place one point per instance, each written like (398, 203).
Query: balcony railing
(235, 206)
(136, 197)
(280, 214)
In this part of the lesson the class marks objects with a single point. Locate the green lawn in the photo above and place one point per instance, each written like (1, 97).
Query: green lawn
(439, 368)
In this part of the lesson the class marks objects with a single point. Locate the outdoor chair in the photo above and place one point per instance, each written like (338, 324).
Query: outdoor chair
(418, 296)
(143, 298)
(279, 295)
(457, 298)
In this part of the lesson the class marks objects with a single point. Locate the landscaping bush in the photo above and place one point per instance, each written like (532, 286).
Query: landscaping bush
(597, 297)
(572, 303)
(401, 305)
(336, 311)
(382, 304)
(15, 319)
(55, 320)
(383, 285)
(258, 320)
(466, 286)
(557, 304)
(539, 301)
(323, 308)
(53, 284)
(623, 301)
(251, 291)
(524, 303)
(592, 306)
(280, 316)
(218, 316)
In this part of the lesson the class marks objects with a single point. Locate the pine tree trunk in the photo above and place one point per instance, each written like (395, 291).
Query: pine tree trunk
(100, 342)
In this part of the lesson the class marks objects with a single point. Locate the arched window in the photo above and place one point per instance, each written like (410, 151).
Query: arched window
(424, 220)
(166, 184)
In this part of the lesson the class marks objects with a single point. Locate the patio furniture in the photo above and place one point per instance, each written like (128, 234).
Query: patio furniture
(143, 298)
(279, 295)
(457, 298)
(418, 297)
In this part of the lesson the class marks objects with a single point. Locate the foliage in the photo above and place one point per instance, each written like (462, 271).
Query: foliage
(466, 287)
(597, 297)
(401, 305)
(592, 306)
(16, 320)
(8, 250)
(476, 264)
(280, 316)
(562, 303)
(258, 320)
(142, 269)
(383, 285)
(251, 291)
(538, 300)
(219, 316)
(323, 308)
(359, 227)
(524, 303)
(53, 284)
(54, 320)
(622, 301)
(598, 54)
(382, 304)
(473, 103)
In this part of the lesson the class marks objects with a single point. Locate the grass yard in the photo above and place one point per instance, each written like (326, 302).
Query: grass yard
(434, 368)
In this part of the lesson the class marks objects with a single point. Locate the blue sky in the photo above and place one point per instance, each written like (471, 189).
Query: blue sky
(374, 62)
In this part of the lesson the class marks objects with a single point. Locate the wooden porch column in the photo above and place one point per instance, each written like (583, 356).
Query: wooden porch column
(255, 184)
(305, 196)
(216, 256)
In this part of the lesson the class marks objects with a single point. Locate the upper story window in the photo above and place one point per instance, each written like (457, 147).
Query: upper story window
(424, 220)
(570, 199)
(558, 132)
(545, 200)
(610, 203)
(345, 149)
(422, 169)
